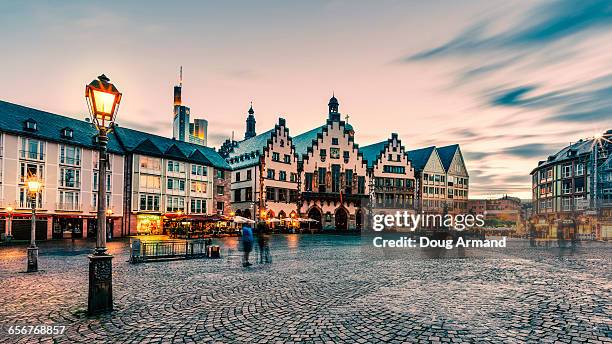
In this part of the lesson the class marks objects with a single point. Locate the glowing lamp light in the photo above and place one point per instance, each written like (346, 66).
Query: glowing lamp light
(103, 99)
(33, 184)
(109, 212)
(9, 209)
(232, 213)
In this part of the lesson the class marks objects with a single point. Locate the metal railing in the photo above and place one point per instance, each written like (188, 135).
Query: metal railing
(32, 155)
(142, 251)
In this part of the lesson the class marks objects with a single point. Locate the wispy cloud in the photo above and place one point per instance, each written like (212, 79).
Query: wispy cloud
(543, 25)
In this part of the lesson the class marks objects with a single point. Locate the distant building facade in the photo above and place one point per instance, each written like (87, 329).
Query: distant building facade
(504, 211)
(62, 152)
(152, 181)
(572, 191)
(442, 179)
(391, 177)
(182, 127)
(334, 188)
(264, 174)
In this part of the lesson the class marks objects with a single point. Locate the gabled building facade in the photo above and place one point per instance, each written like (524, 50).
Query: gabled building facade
(442, 179)
(391, 177)
(457, 178)
(333, 174)
(169, 181)
(264, 182)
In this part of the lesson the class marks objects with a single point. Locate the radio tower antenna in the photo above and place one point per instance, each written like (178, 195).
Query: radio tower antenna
(181, 77)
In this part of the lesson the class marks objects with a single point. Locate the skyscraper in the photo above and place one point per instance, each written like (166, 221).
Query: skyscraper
(182, 128)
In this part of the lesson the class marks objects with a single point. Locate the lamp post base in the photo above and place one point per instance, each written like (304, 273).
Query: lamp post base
(100, 298)
(32, 259)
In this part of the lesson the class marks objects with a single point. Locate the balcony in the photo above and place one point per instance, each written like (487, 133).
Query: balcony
(68, 206)
(32, 155)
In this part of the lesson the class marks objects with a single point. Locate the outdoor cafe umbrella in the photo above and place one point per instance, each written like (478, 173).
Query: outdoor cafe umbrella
(240, 219)
(309, 220)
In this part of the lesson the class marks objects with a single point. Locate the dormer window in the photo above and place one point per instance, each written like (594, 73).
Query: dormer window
(67, 133)
(30, 124)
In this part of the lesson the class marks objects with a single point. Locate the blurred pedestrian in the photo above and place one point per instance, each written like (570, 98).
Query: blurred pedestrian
(247, 244)
(263, 239)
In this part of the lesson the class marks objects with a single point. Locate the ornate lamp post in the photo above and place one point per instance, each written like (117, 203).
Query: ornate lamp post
(34, 186)
(103, 100)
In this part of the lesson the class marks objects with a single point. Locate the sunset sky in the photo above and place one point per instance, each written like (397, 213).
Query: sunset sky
(512, 82)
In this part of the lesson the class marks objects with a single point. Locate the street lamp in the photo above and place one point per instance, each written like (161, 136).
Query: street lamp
(103, 100)
(34, 185)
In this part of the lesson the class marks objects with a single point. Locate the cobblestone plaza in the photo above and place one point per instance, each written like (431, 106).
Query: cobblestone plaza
(318, 289)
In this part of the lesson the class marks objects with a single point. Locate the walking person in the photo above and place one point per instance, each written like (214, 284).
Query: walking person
(262, 240)
(247, 244)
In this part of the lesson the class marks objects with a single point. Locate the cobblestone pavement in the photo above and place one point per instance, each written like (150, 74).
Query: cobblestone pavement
(319, 289)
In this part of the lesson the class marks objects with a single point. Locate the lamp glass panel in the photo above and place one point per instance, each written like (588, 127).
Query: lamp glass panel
(104, 102)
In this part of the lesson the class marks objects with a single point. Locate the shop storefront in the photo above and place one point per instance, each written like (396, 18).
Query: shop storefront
(150, 224)
(67, 227)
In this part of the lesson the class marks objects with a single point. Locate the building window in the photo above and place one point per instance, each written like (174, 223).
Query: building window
(94, 200)
(323, 154)
(321, 181)
(67, 133)
(335, 178)
(287, 158)
(579, 169)
(70, 177)
(237, 195)
(361, 185)
(198, 186)
(70, 155)
(308, 181)
(271, 173)
(282, 175)
(334, 141)
(293, 177)
(149, 163)
(32, 149)
(25, 200)
(567, 171)
(248, 175)
(334, 153)
(198, 206)
(149, 202)
(69, 200)
(174, 204)
(394, 169)
(248, 194)
(282, 195)
(175, 166)
(220, 174)
(237, 176)
(220, 190)
(275, 156)
(31, 169)
(146, 181)
(30, 124)
(198, 170)
(270, 194)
